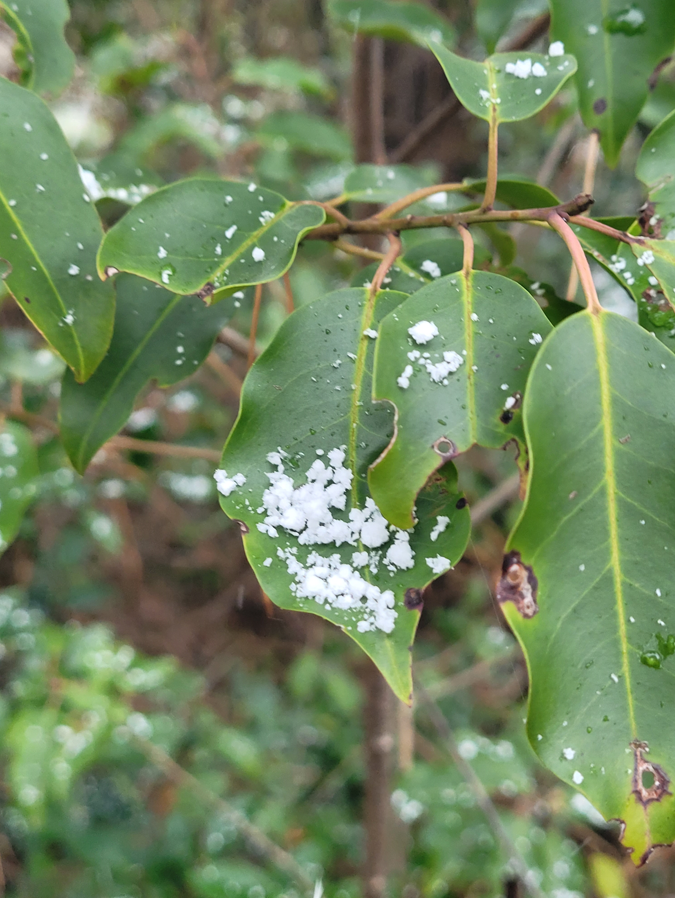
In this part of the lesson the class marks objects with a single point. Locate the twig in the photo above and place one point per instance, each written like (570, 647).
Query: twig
(250, 358)
(593, 151)
(329, 208)
(358, 251)
(290, 302)
(500, 495)
(579, 259)
(262, 843)
(387, 261)
(483, 800)
(224, 372)
(21, 414)
(414, 197)
(334, 230)
(379, 150)
(603, 228)
(236, 341)
(152, 447)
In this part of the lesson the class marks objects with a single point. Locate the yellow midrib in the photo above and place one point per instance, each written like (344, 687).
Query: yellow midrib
(610, 479)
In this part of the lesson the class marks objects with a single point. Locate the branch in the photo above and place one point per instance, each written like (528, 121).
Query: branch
(467, 240)
(603, 228)
(152, 447)
(414, 197)
(450, 219)
(386, 263)
(262, 843)
(492, 166)
(483, 800)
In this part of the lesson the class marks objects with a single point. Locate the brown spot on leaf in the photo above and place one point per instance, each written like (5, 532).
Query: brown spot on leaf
(413, 599)
(573, 494)
(650, 223)
(445, 448)
(519, 585)
(206, 291)
(650, 781)
(461, 502)
(242, 526)
(600, 106)
(5, 268)
(25, 299)
(624, 440)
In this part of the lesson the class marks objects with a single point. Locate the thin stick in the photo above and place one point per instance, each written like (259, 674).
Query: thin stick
(358, 251)
(603, 228)
(500, 495)
(329, 208)
(414, 197)
(492, 166)
(254, 326)
(480, 793)
(386, 263)
(152, 447)
(589, 183)
(234, 340)
(467, 240)
(334, 230)
(224, 372)
(262, 843)
(290, 303)
(580, 261)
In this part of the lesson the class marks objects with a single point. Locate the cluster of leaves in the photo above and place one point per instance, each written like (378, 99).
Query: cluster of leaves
(366, 395)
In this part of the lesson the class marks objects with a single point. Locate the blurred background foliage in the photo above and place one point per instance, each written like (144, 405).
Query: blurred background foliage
(157, 714)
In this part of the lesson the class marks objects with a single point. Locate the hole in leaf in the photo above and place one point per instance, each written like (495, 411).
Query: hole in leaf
(648, 779)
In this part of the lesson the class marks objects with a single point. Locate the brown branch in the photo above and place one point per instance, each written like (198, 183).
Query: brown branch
(467, 240)
(603, 228)
(235, 341)
(224, 372)
(386, 263)
(414, 197)
(362, 251)
(450, 220)
(290, 302)
(153, 447)
(500, 495)
(262, 843)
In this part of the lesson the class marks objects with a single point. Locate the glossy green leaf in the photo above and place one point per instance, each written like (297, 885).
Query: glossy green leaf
(507, 86)
(46, 60)
(49, 233)
(320, 413)
(422, 264)
(456, 388)
(383, 183)
(18, 475)
(204, 234)
(281, 73)
(517, 192)
(655, 167)
(617, 44)
(397, 20)
(308, 133)
(158, 336)
(599, 416)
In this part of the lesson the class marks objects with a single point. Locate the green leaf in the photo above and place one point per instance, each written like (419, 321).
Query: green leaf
(20, 361)
(492, 18)
(422, 264)
(204, 234)
(515, 191)
(493, 89)
(415, 23)
(49, 233)
(617, 44)
(308, 133)
(158, 336)
(46, 60)
(383, 183)
(656, 170)
(600, 422)
(281, 73)
(319, 364)
(460, 387)
(18, 463)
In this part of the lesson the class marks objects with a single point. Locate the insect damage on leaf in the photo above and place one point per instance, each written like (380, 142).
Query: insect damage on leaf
(445, 448)
(650, 781)
(413, 599)
(518, 584)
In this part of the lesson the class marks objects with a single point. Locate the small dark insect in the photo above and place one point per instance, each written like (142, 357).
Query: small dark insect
(25, 299)
(461, 503)
(413, 598)
(600, 106)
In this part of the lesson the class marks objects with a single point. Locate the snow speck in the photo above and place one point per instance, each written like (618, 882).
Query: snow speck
(404, 379)
(569, 753)
(582, 568)
(474, 317)
(521, 68)
(230, 232)
(267, 562)
(162, 253)
(504, 386)
(534, 339)
(265, 217)
(423, 331)
(69, 317)
(614, 678)
(218, 250)
(438, 564)
(431, 268)
(251, 187)
(73, 269)
(510, 402)
(658, 593)
(438, 371)
(557, 48)
(225, 484)
(439, 527)
(369, 332)
(537, 91)
(44, 156)
(577, 777)
(27, 126)
(258, 254)
(538, 70)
